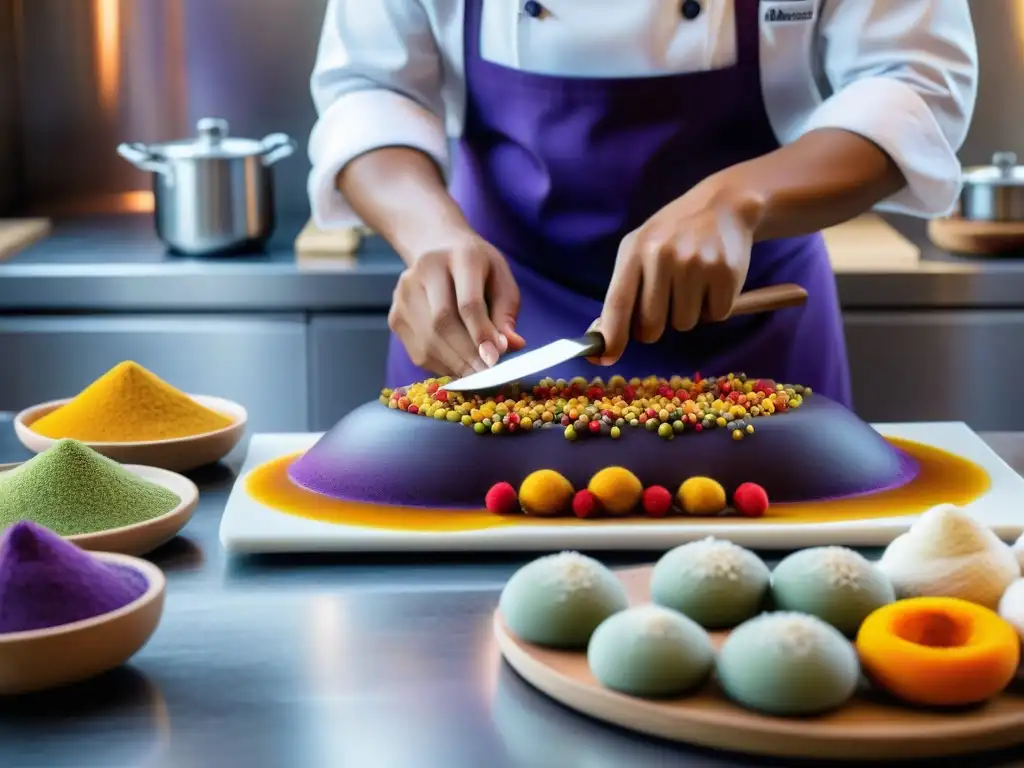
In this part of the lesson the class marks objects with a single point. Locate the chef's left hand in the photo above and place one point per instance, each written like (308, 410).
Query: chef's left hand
(687, 262)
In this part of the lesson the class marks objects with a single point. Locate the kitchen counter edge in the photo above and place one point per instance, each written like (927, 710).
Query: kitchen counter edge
(116, 265)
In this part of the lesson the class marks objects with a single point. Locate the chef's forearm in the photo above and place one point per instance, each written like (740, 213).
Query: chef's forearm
(824, 178)
(400, 194)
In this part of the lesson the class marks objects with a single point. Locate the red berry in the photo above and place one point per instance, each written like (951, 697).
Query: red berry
(414, 409)
(629, 393)
(750, 500)
(441, 396)
(657, 501)
(726, 388)
(651, 413)
(513, 418)
(499, 399)
(584, 504)
(683, 395)
(698, 427)
(595, 426)
(431, 388)
(502, 499)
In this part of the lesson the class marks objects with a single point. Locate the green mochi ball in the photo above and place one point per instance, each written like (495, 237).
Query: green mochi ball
(835, 584)
(650, 651)
(558, 600)
(788, 664)
(715, 582)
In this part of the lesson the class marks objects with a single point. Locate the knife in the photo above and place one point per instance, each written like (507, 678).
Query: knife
(525, 365)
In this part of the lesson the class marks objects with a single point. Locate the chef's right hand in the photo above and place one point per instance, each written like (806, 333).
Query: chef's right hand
(455, 307)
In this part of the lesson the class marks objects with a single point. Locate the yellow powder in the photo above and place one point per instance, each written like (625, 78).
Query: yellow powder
(129, 404)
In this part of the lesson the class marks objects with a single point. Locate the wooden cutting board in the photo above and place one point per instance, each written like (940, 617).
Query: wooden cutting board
(16, 234)
(864, 244)
(326, 249)
(869, 244)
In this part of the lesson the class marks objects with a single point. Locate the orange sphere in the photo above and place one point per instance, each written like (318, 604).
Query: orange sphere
(545, 493)
(617, 490)
(701, 496)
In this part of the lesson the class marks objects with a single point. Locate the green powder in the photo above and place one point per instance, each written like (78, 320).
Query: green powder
(71, 489)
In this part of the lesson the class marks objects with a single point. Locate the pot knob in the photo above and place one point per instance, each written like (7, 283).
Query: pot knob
(212, 129)
(1006, 162)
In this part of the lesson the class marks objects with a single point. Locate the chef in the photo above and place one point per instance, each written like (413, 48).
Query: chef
(544, 167)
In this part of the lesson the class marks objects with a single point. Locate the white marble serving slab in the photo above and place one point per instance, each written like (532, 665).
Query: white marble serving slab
(253, 528)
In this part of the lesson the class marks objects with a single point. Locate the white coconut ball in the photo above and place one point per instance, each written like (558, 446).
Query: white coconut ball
(947, 553)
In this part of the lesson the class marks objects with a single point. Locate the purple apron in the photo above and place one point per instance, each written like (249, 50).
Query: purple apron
(555, 171)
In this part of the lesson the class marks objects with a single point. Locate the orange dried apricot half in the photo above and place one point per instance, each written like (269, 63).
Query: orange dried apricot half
(938, 651)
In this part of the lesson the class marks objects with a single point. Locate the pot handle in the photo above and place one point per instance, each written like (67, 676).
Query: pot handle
(277, 146)
(139, 155)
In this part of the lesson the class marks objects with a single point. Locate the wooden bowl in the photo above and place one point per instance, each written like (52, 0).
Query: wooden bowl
(179, 454)
(142, 538)
(41, 659)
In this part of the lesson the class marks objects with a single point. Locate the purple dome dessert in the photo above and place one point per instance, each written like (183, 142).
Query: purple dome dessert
(46, 581)
(380, 455)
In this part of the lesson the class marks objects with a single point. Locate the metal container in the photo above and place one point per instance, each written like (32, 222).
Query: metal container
(215, 193)
(994, 192)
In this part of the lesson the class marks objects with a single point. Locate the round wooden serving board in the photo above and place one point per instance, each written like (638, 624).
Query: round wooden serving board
(978, 238)
(869, 727)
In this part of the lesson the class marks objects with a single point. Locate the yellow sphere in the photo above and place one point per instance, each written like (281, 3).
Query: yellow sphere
(545, 493)
(617, 490)
(701, 496)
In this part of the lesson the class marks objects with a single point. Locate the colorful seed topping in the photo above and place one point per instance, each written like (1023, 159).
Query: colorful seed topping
(582, 409)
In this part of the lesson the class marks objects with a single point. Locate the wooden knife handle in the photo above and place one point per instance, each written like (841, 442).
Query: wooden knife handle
(769, 299)
(753, 302)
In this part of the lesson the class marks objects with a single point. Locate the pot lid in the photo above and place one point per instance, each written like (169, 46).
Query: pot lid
(212, 141)
(1004, 171)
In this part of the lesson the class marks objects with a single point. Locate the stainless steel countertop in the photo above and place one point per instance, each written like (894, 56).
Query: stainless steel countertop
(324, 662)
(116, 264)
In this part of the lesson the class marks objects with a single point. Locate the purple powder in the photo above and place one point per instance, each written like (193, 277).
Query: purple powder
(46, 581)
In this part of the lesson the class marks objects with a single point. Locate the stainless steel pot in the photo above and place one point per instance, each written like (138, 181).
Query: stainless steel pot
(215, 193)
(994, 192)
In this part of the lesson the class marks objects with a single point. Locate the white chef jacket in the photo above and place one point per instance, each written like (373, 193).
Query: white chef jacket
(902, 73)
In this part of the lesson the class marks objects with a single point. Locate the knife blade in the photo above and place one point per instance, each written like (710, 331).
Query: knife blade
(524, 365)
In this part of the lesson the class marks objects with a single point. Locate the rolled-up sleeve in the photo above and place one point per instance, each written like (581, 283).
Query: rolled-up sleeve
(903, 74)
(376, 83)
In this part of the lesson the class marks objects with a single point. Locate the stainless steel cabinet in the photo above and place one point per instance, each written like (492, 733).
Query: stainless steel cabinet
(348, 357)
(258, 361)
(938, 366)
